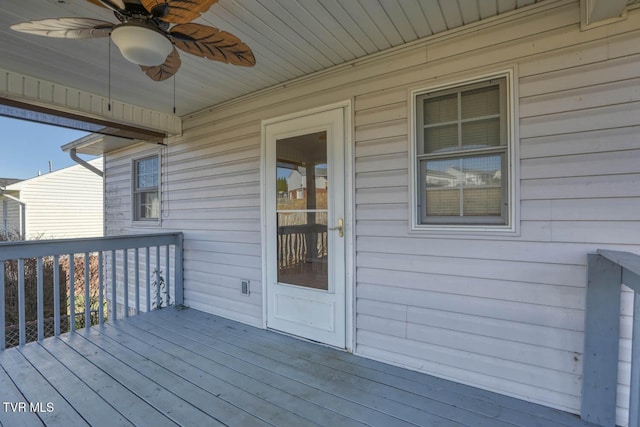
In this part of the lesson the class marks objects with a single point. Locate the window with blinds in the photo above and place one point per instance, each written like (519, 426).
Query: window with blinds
(462, 153)
(146, 189)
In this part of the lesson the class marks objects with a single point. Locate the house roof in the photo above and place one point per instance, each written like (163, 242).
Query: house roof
(19, 185)
(95, 144)
(7, 181)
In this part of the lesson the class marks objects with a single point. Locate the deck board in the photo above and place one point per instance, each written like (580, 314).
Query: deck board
(129, 405)
(269, 387)
(483, 403)
(230, 407)
(11, 394)
(272, 373)
(76, 393)
(455, 394)
(161, 389)
(369, 394)
(515, 410)
(185, 367)
(36, 390)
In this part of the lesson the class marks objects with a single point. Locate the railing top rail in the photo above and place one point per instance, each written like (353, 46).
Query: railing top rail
(630, 264)
(40, 248)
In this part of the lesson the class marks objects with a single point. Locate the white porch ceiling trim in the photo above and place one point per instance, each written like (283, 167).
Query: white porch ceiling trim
(39, 92)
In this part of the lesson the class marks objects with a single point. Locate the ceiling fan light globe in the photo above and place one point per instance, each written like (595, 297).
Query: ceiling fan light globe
(141, 45)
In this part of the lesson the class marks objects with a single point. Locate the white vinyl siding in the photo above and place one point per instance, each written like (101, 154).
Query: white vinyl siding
(213, 197)
(501, 312)
(56, 201)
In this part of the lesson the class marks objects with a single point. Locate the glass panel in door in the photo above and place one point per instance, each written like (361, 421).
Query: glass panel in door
(301, 210)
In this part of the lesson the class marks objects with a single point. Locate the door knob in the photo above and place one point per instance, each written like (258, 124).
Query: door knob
(339, 227)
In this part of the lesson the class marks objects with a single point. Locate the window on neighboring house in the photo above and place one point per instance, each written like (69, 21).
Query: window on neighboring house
(462, 155)
(146, 189)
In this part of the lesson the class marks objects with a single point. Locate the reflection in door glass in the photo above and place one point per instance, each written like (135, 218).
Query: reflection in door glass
(302, 187)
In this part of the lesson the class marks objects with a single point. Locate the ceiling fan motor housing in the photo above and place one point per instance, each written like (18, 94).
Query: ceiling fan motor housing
(141, 43)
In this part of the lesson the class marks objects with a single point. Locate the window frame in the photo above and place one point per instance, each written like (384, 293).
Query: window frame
(508, 220)
(135, 191)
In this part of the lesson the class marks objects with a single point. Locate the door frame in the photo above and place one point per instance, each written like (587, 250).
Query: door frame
(349, 209)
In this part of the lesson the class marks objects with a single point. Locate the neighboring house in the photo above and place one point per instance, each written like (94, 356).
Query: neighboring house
(65, 203)
(297, 182)
(469, 174)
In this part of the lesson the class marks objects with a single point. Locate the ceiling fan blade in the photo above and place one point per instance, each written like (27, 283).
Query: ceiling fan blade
(166, 70)
(96, 2)
(70, 28)
(211, 43)
(117, 5)
(177, 11)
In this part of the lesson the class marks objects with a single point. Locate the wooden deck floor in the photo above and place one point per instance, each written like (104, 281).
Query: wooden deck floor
(185, 367)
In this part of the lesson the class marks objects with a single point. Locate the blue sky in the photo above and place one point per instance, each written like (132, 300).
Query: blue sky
(27, 147)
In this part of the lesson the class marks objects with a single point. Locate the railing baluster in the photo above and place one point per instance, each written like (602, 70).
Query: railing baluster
(40, 299)
(179, 279)
(114, 303)
(167, 276)
(72, 293)
(56, 295)
(21, 314)
(634, 395)
(125, 268)
(148, 272)
(100, 288)
(87, 295)
(137, 278)
(3, 325)
(157, 276)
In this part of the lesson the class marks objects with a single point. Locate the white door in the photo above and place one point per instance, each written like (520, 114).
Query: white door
(305, 253)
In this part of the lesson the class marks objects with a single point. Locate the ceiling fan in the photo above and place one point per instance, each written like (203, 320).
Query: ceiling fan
(149, 32)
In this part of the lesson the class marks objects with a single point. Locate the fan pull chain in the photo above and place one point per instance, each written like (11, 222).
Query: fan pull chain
(109, 72)
(174, 94)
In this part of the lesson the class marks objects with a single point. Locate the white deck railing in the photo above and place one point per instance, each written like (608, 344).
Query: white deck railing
(607, 272)
(122, 262)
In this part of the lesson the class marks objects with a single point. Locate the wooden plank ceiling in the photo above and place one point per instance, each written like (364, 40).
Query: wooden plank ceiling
(290, 39)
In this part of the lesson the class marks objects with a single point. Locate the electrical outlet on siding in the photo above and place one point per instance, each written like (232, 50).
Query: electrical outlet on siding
(245, 288)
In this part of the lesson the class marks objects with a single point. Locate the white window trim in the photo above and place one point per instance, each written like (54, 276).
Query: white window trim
(146, 222)
(512, 215)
